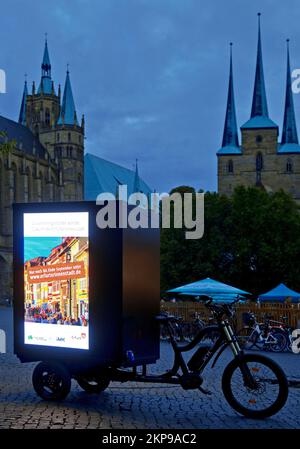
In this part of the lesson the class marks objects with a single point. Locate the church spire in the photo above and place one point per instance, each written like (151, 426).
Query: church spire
(230, 135)
(46, 65)
(259, 111)
(22, 116)
(136, 182)
(68, 112)
(46, 82)
(230, 142)
(259, 102)
(289, 130)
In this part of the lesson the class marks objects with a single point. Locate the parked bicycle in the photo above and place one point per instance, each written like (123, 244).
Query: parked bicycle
(252, 384)
(191, 328)
(286, 329)
(262, 336)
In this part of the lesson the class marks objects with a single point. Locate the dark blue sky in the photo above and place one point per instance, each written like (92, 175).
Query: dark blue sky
(151, 76)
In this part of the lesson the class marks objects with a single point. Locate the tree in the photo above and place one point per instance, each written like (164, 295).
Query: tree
(6, 146)
(251, 240)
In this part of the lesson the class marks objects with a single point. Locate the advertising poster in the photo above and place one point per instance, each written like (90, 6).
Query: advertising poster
(56, 282)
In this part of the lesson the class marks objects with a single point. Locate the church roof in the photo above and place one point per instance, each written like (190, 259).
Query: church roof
(25, 139)
(22, 116)
(68, 111)
(46, 82)
(259, 111)
(230, 142)
(288, 148)
(259, 122)
(46, 60)
(229, 150)
(289, 138)
(45, 85)
(102, 176)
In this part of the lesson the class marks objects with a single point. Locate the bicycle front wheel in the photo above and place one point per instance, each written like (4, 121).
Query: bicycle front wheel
(267, 393)
(280, 342)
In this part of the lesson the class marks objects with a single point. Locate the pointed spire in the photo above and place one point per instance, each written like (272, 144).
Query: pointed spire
(259, 112)
(46, 65)
(46, 82)
(289, 129)
(68, 111)
(259, 102)
(136, 182)
(22, 116)
(230, 135)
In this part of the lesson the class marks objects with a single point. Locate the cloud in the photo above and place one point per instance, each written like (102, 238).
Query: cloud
(151, 76)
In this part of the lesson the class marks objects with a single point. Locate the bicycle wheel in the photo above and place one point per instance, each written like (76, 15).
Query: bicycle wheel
(265, 397)
(280, 342)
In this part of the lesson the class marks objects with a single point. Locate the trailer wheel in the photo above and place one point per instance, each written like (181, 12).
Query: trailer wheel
(93, 384)
(51, 381)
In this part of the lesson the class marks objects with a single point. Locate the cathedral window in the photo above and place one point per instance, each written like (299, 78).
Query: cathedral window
(259, 162)
(289, 166)
(57, 137)
(79, 138)
(259, 139)
(69, 137)
(47, 116)
(230, 166)
(69, 152)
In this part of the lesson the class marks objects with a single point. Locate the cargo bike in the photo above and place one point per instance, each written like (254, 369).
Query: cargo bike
(115, 333)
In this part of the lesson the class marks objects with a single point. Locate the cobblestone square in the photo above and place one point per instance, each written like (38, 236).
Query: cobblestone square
(136, 405)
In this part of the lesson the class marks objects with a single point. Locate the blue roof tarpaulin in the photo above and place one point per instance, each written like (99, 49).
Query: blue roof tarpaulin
(217, 290)
(279, 294)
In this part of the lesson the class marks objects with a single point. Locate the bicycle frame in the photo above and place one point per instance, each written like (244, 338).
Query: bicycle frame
(190, 379)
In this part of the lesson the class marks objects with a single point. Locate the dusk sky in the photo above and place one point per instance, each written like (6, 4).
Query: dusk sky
(151, 76)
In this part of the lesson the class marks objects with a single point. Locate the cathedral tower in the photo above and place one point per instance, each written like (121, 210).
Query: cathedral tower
(260, 160)
(56, 127)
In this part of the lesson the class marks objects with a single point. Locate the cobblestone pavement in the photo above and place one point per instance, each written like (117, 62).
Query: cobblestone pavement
(134, 405)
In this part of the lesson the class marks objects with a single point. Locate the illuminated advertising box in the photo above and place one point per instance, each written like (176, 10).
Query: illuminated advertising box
(83, 295)
(56, 279)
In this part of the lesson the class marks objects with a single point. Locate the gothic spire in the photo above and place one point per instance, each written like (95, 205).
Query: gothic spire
(230, 142)
(259, 102)
(289, 130)
(230, 135)
(46, 65)
(68, 112)
(46, 82)
(259, 111)
(136, 182)
(22, 116)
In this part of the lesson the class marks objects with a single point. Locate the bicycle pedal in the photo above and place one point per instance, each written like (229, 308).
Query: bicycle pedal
(209, 393)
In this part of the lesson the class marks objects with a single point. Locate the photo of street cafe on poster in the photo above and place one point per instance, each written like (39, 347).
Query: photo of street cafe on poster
(56, 283)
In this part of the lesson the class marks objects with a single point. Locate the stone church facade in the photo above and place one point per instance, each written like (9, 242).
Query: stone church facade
(46, 161)
(264, 158)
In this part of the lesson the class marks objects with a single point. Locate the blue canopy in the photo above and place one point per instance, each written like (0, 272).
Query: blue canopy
(279, 294)
(217, 290)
